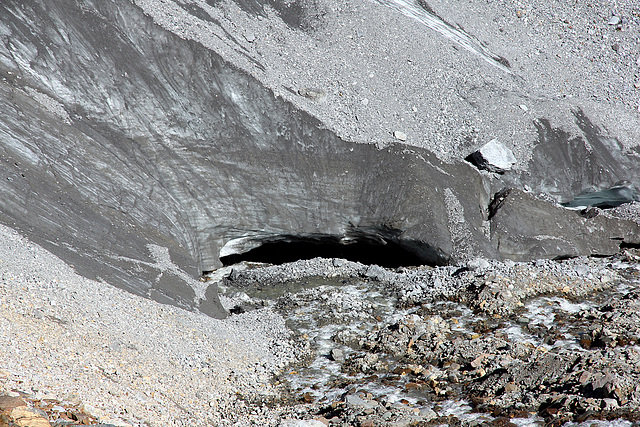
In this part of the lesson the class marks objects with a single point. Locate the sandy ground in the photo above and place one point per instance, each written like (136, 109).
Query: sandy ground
(130, 359)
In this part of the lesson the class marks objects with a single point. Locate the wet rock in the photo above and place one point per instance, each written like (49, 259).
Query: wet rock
(353, 400)
(364, 363)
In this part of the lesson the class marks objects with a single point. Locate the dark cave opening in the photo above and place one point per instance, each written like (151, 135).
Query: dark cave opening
(384, 253)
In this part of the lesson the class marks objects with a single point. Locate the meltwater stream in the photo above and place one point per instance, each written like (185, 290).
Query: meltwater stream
(340, 315)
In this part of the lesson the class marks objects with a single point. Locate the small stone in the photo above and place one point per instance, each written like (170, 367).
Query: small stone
(338, 262)
(615, 20)
(477, 362)
(337, 355)
(510, 387)
(609, 404)
(478, 264)
(454, 366)
(302, 423)
(584, 377)
(604, 380)
(523, 107)
(312, 94)
(92, 410)
(401, 136)
(365, 102)
(250, 37)
(356, 401)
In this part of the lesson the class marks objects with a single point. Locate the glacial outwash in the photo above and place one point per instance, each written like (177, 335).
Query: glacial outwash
(141, 157)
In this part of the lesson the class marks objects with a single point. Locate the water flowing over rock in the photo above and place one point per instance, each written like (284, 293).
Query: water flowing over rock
(141, 155)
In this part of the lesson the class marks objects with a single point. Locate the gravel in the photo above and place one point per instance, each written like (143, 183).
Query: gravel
(383, 73)
(129, 359)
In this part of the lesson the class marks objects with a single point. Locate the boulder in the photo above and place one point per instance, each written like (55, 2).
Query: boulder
(525, 227)
(494, 156)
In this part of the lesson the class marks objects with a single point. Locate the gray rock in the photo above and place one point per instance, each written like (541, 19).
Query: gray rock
(337, 355)
(494, 156)
(301, 423)
(401, 136)
(524, 228)
(478, 264)
(356, 401)
(312, 94)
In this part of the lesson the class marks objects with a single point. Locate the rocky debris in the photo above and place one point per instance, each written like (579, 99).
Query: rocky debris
(557, 339)
(503, 291)
(302, 423)
(506, 377)
(453, 334)
(494, 156)
(93, 349)
(23, 409)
